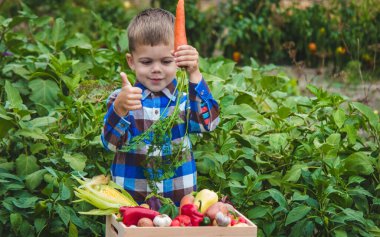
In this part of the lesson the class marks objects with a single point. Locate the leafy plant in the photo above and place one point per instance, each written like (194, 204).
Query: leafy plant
(293, 164)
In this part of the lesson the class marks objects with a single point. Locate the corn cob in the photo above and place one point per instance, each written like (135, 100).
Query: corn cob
(103, 194)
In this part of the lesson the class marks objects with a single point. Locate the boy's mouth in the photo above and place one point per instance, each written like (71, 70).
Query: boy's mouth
(155, 80)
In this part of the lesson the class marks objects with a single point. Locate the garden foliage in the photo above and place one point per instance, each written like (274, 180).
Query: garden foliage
(295, 165)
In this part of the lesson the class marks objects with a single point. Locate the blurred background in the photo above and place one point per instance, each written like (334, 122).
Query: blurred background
(336, 33)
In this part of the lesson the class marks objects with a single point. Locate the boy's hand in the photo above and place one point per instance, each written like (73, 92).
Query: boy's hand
(129, 97)
(187, 56)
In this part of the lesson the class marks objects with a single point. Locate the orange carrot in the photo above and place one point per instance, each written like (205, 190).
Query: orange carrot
(179, 25)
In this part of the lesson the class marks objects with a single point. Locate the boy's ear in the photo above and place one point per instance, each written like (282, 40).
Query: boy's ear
(129, 58)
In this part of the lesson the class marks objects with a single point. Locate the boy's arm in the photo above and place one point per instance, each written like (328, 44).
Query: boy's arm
(115, 129)
(116, 121)
(204, 110)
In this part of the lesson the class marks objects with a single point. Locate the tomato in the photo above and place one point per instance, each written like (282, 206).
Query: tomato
(340, 50)
(236, 56)
(312, 47)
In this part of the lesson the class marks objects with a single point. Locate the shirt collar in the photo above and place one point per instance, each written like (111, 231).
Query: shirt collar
(169, 91)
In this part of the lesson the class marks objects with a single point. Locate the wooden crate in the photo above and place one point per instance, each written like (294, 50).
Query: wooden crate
(118, 229)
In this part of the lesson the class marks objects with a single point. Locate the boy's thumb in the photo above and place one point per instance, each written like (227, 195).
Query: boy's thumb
(124, 80)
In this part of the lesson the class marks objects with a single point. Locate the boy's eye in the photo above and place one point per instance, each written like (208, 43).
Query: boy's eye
(167, 61)
(145, 62)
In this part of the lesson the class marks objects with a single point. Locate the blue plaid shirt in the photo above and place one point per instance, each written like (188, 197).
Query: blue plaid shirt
(126, 169)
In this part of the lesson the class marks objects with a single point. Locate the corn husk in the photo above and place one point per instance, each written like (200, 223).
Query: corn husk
(103, 194)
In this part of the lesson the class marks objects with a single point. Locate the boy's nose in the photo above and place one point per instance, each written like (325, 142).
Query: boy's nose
(156, 68)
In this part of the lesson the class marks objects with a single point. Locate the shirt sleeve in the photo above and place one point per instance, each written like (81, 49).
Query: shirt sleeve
(115, 127)
(204, 110)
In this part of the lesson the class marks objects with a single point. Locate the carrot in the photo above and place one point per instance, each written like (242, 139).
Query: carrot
(179, 25)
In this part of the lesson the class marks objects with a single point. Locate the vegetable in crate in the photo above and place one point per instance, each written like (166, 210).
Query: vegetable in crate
(205, 199)
(181, 220)
(162, 220)
(215, 208)
(191, 211)
(132, 215)
(102, 193)
(222, 220)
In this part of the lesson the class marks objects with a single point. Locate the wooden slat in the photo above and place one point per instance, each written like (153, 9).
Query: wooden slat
(118, 229)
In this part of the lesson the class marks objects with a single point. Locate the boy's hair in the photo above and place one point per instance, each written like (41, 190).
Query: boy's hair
(151, 27)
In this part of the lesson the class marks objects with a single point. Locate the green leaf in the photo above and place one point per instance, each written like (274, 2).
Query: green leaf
(221, 174)
(334, 140)
(71, 82)
(25, 202)
(299, 197)
(368, 113)
(13, 96)
(26, 165)
(258, 212)
(76, 161)
(278, 197)
(73, 230)
(39, 224)
(5, 126)
(34, 179)
(278, 141)
(294, 173)
(18, 69)
(246, 111)
(213, 78)
(37, 147)
(35, 134)
(43, 121)
(44, 92)
(58, 33)
(359, 163)
(16, 221)
(63, 214)
(340, 233)
(351, 133)
(355, 215)
(302, 228)
(64, 192)
(228, 144)
(297, 214)
(283, 112)
(81, 41)
(225, 70)
(339, 117)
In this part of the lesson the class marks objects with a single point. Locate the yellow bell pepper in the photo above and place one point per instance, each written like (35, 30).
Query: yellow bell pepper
(204, 199)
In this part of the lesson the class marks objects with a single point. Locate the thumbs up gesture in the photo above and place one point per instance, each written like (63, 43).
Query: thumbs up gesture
(129, 97)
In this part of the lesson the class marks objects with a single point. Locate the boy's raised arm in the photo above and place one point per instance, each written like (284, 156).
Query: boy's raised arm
(116, 124)
(204, 110)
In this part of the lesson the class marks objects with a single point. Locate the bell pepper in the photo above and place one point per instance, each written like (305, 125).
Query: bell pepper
(181, 220)
(131, 215)
(206, 221)
(205, 199)
(191, 210)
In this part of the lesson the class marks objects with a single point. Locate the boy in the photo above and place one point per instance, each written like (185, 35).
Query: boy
(133, 109)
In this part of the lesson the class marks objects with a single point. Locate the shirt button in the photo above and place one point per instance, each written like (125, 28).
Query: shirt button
(122, 125)
(156, 111)
(202, 92)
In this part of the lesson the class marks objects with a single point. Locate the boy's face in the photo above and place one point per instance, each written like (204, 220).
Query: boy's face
(154, 65)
